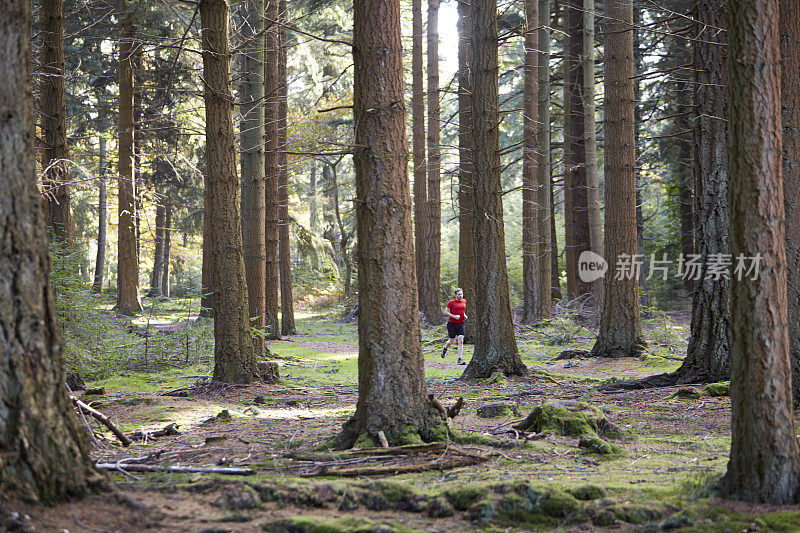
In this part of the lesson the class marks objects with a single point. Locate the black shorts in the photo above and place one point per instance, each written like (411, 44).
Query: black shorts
(455, 329)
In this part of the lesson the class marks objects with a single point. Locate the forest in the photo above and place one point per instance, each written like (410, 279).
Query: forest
(322, 266)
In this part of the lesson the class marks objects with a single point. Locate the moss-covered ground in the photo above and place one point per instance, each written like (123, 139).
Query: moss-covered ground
(654, 466)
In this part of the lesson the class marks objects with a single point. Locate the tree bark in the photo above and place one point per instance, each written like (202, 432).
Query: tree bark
(128, 301)
(544, 174)
(531, 264)
(620, 332)
(466, 245)
(590, 132)
(570, 261)
(686, 169)
(272, 89)
(708, 354)
(167, 243)
(765, 458)
(253, 164)
(158, 254)
(392, 395)
(638, 70)
(421, 220)
(429, 303)
(790, 119)
(576, 136)
(284, 253)
(234, 359)
(102, 215)
(555, 272)
(45, 457)
(495, 344)
(313, 216)
(54, 119)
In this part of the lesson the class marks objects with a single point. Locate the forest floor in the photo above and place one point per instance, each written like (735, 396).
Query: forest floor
(671, 453)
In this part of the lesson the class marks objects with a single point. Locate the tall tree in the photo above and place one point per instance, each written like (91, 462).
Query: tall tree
(570, 261)
(128, 301)
(252, 161)
(590, 145)
(44, 455)
(54, 119)
(790, 118)
(575, 136)
(708, 354)
(531, 265)
(544, 174)
(167, 243)
(466, 246)
(495, 344)
(392, 394)
(102, 214)
(429, 296)
(421, 219)
(620, 332)
(284, 253)
(234, 359)
(764, 461)
(158, 252)
(272, 89)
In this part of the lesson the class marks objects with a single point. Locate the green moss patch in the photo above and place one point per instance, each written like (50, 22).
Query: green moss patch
(318, 524)
(723, 388)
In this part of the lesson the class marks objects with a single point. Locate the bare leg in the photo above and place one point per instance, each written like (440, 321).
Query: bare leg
(460, 346)
(447, 345)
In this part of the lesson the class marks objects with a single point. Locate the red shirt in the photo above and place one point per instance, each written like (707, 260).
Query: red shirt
(458, 308)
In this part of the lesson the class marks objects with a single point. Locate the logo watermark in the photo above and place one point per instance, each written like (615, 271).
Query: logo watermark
(592, 267)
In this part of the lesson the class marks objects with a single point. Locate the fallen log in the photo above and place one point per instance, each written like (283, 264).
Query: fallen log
(394, 469)
(103, 419)
(411, 449)
(231, 471)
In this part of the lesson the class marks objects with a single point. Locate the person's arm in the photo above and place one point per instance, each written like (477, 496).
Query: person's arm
(449, 314)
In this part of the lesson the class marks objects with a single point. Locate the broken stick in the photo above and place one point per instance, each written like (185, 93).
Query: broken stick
(231, 471)
(103, 419)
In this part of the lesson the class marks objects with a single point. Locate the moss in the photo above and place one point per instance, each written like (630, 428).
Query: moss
(408, 435)
(440, 508)
(587, 492)
(364, 441)
(469, 437)
(393, 491)
(465, 496)
(438, 433)
(560, 504)
(318, 524)
(482, 511)
(573, 419)
(594, 444)
(497, 378)
(717, 389)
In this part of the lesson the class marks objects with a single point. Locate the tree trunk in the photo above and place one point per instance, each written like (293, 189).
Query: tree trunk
(590, 130)
(555, 272)
(544, 174)
(167, 243)
(158, 255)
(421, 220)
(207, 289)
(429, 302)
(392, 395)
(576, 136)
(45, 458)
(638, 66)
(495, 344)
(234, 360)
(707, 357)
(272, 89)
(284, 253)
(313, 216)
(102, 215)
(54, 119)
(466, 246)
(790, 118)
(253, 164)
(531, 265)
(128, 302)
(764, 461)
(620, 332)
(570, 261)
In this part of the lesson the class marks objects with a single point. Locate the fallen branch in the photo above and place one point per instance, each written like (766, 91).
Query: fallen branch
(411, 449)
(103, 419)
(231, 471)
(395, 469)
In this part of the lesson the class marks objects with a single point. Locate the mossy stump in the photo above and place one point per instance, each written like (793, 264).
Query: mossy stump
(574, 419)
